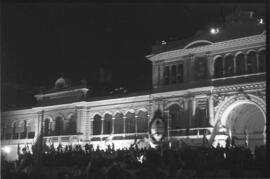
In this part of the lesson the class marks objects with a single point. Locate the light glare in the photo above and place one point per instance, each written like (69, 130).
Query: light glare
(261, 21)
(6, 149)
(214, 30)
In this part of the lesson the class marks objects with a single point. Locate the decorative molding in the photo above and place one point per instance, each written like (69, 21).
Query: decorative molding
(197, 41)
(177, 102)
(236, 87)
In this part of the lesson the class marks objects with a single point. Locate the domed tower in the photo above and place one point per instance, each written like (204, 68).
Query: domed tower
(63, 92)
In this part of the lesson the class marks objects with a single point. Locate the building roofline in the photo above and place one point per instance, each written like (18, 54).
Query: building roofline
(249, 40)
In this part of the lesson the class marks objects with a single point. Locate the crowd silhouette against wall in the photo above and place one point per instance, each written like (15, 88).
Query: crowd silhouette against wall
(165, 162)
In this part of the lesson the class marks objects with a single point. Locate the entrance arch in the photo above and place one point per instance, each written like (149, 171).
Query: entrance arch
(243, 117)
(245, 123)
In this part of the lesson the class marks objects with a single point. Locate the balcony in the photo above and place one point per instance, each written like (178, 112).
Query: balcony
(192, 132)
(123, 136)
(63, 138)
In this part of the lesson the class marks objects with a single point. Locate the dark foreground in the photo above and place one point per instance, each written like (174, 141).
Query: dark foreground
(82, 162)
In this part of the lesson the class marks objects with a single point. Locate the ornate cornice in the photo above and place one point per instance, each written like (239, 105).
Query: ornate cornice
(236, 87)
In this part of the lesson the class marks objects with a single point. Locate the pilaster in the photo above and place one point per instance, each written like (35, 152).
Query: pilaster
(161, 74)
(38, 123)
(186, 109)
(102, 125)
(210, 65)
(124, 121)
(91, 126)
(136, 125)
(83, 124)
(155, 74)
(211, 110)
(245, 64)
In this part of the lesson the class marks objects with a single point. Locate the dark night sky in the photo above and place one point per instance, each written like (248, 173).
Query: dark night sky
(42, 40)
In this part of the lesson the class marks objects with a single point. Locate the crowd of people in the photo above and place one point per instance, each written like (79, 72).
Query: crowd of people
(165, 162)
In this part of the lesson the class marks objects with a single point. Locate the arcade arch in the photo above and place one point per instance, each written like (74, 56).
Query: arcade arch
(244, 120)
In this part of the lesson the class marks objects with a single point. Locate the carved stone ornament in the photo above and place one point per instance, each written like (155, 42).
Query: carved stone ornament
(217, 100)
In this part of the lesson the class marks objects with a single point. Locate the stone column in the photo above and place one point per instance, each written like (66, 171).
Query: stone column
(38, 124)
(102, 125)
(211, 110)
(91, 125)
(211, 65)
(223, 67)
(78, 121)
(245, 60)
(83, 122)
(27, 124)
(113, 120)
(257, 62)
(186, 113)
(124, 120)
(191, 104)
(150, 113)
(234, 64)
(136, 124)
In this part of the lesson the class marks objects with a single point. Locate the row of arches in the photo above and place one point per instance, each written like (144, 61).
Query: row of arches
(19, 129)
(174, 74)
(60, 125)
(240, 63)
(227, 65)
(120, 123)
(179, 119)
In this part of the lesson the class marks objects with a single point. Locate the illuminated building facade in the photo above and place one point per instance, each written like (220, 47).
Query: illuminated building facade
(211, 85)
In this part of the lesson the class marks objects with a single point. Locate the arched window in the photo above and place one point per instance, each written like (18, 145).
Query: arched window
(251, 62)
(180, 73)
(107, 124)
(31, 129)
(8, 130)
(47, 127)
(201, 117)
(14, 130)
(173, 74)
(142, 121)
(130, 122)
(240, 64)
(201, 68)
(229, 65)
(71, 124)
(166, 75)
(23, 130)
(97, 125)
(118, 123)
(59, 126)
(262, 61)
(218, 67)
(175, 118)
